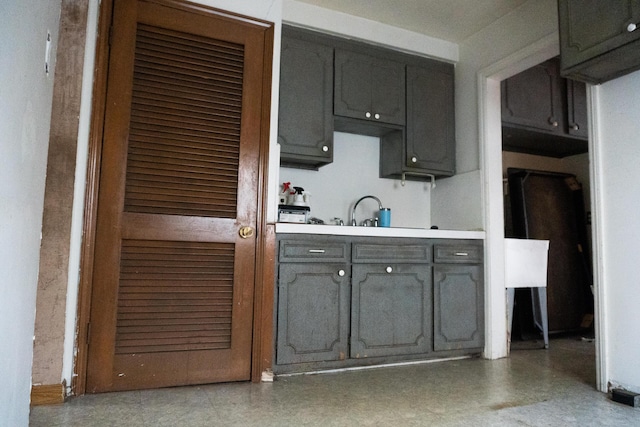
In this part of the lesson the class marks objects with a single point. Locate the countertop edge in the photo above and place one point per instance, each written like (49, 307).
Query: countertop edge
(424, 233)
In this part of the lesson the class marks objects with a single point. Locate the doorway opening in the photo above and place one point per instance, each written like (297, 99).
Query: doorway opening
(489, 87)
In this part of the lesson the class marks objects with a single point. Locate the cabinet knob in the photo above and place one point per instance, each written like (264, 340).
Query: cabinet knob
(367, 115)
(553, 122)
(325, 148)
(389, 269)
(377, 116)
(575, 126)
(341, 273)
(414, 159)
(631, 27)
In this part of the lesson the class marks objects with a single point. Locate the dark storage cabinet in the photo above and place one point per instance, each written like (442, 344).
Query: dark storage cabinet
(369, 88)
(305, 128)
(543, 113)
(599, 40)
(458, 297)
(550, 206)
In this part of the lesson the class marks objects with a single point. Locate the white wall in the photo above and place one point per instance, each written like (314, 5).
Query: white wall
(354, 173)
(25, 111)
(618, 152)
(529, 23)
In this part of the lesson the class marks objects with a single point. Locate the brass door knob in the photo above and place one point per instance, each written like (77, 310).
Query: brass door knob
(246, 232)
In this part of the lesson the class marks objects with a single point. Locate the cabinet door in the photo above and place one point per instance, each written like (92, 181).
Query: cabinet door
(369, 88)
(458, 307)
(313, 313)
(533, 99)
(391, 310)
(430, 121)
(577, 115)
(591, 28)
(305, 127)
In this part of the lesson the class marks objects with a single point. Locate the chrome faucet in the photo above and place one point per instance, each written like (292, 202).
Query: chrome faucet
(353, 211)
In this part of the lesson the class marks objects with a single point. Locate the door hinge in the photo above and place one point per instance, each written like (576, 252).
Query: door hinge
(88, 332)
(110, 35)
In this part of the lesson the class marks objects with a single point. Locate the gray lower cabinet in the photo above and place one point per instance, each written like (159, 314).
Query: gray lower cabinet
(390, 309)
(347, 301)
(458, 297)
(313, 300)
(313, 312)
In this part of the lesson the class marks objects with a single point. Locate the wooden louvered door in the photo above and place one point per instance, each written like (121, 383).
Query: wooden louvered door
(173, 281)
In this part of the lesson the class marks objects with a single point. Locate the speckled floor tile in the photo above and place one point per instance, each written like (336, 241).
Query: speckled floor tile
(533, 387)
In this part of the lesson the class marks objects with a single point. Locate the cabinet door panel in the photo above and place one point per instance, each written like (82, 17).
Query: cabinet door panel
(590, 28)
(458, 307)
(577, 115)
(391, 312)
(366, 86)
(313, 313)
(430, 120)
(305, 125)
(532, 98)
(388, 91)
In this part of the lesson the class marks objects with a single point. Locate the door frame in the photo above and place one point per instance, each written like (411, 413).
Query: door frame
(490, 141)
(261, 352)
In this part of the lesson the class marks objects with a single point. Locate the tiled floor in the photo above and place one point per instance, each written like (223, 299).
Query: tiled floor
(530, 388)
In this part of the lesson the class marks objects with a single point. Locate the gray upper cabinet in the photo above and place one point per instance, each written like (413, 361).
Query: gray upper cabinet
(577, 116)
(428, 147)
(305, 128)
(331, 84)
(543, 113)
(369, 88)
(533, 99)
(599, 40)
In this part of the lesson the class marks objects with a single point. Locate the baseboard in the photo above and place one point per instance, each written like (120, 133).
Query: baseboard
(48, 394)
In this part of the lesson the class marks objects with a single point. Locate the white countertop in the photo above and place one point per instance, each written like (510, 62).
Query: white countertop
(337, 230)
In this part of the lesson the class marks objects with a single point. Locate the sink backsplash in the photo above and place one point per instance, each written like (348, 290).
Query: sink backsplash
(354, 173)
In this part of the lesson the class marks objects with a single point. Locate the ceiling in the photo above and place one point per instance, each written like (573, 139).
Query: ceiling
(452, 20)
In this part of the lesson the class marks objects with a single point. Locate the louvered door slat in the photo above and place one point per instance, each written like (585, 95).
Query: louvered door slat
(185, 125)
(168, 280)
(225, 91)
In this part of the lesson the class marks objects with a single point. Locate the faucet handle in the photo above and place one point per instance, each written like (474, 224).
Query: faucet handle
(370, 222)
(338, 221)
